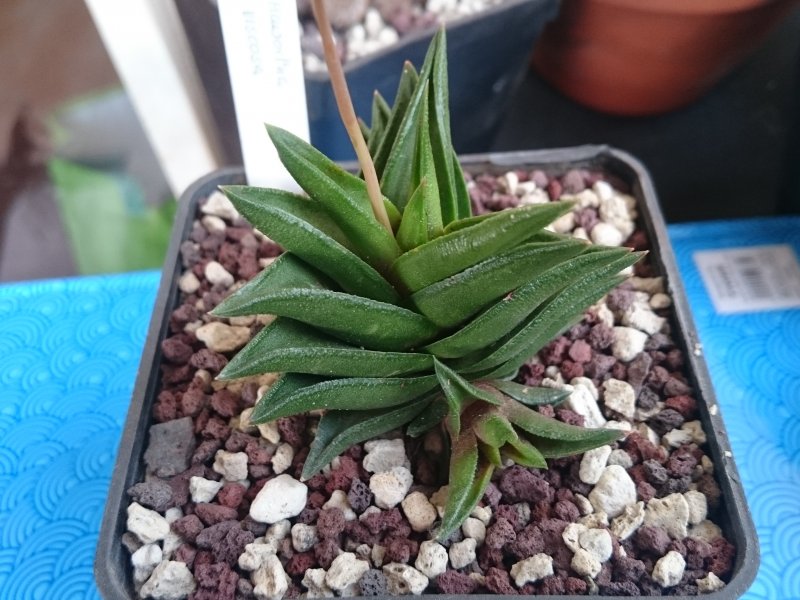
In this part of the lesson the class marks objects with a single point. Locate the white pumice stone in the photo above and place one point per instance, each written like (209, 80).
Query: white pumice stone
(669, 569)
(314, 582)
(709, 583)
(649, 285)
(475, 529)
(614, 211)
(588, 384)
(420, 513)
(641, 317)
(279, 530)
(628, 343)
(217, 275)
(695, 430)
(565, 223)
(339, 500)
(606, 234)
(614, 491)
(593, 463)
(698, 506)
(189, 283)
(256, 553)
(219, 206)
(670, 513)
(270, 580)
(626, 524)
(390, 487)
(345, 570)
(269, 431)
(583, 563)
(532, 569)
(586, 199)
(220, 337)
(660, 300)
(146, 524)
(281, 498)
(404, 579)
(282, 459)
(582, 402)
(431, 559)
(204, 490)
(213, 224)
(384, 455)
(378, 555)
(706, 531)
(620, 397)
(584, 506)
(572, 534)
(596, 542)
(483, 514)
(144, 560)
(231, 465)
(621, 458)
(595, 520)
(170, 580)
(304, 537)
(462, 553)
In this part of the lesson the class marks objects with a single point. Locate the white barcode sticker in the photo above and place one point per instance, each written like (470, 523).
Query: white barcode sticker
(751, 279)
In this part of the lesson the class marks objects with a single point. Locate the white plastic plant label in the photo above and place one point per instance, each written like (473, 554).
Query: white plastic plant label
(262, 45)
(751, 279)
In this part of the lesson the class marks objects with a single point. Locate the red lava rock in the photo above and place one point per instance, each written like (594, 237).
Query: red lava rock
(540, 511)
(652, 539)
(677, 546)
(238, 441)
(489, 557)
(599, 366)
(553, 353)
(215, 428)
(657, 377)
(193, 401)
(686, 405)
(330, 523)
(654, 472)
(551, 585)
(520, 484)
(620, 299)
(453, 582)
(554, 189)
(225, 403)
(531, 374)
(300, 563)
(325, 551)
(665, 421)
(529, 542)
(619, 371)
(317, 482)
(580, 351)
(211, 514)
(708, 486)
(400, 549)
(600, 337)
(500, 533)
(180, 484)
(385, 520)
(575, 586)
(696, 552)
(623, 588)
(176, 350)
(566, 511)
(570, 370)
(360, 533)
(254, 527)
(720, 559)
(231, 494)
(498, 582)
(573, 182)
(173, 375)
(203, 557)
(257, 454)
(249, 395)
(183, 315)
(646, 398)
(185, 554)
(628, 569)
(645, 492)
(292, 430)
(570, 417)
(207, 359)
(642, 449)
(188, 527)
(586, 218)
(509, 513)
(681, 463)
(215, 582)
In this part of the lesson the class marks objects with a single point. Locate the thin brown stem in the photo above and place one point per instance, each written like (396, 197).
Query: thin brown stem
(348, 114)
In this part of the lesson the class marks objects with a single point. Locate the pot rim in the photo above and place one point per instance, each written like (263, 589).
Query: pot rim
(706, 8)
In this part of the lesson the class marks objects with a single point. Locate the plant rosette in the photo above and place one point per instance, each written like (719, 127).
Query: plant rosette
(364, 396)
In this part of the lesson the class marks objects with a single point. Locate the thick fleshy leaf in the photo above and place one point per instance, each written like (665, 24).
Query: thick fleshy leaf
(560, 448)
(304, 228)
(283, 388)
(456, 251)
(554, 317)
(343, 195)
(450, 380)
(425, 170)
(339, 430)
(446, 303)
(428, 418)
(544, 427)
(494, 429)
(529, 395)
(405, 91)
(288, 345)
(380, 118)
(352, 393)
(467, 222)
(463, 202)
(491, 454)
(413, 229)
(503, 317)
(356, 320)
(466, 483)
(524, 453)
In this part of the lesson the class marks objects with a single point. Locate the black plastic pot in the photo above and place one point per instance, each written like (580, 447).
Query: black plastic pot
(112, 563)
(487, 54)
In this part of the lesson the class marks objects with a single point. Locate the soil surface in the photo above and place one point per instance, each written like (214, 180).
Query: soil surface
(223, 514)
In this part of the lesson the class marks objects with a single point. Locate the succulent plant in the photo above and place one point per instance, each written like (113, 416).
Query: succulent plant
(421, 317)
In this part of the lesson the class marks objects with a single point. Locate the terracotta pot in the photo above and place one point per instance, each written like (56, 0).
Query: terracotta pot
(639, 57)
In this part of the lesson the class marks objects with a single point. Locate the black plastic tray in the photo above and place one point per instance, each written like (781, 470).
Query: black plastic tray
(112, 562)
(487, 55)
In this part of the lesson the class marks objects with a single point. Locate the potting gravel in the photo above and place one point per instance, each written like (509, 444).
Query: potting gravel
(222, 513)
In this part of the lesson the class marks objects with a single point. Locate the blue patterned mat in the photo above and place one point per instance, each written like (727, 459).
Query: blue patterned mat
(69, 351)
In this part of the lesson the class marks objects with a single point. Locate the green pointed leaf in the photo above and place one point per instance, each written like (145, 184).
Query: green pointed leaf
(304, 228)
(547, 428)
(343, 195)
(359, 321)
(381, 113)
(405, 91)
(413, 229)
(283, 388)
(467, 222)
(454, 252)
(524, 453)
(491, 454)
(507, 314)
(462, 390)
(446, 303)
(365, 130)
(463, 202)
(431, 416)
(353, 393)
(559, 448)
(425, 170)
(530, 395)
(287, 345)
(339, 430)
(467, 483)
(555, 316)
(494, 429)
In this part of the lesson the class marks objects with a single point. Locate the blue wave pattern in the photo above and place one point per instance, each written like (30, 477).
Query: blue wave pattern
(69, 351)
(754, 360)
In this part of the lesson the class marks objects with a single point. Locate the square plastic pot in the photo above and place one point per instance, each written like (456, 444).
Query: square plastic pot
(487, 55)
(113, 571)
